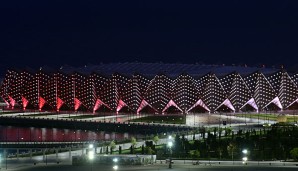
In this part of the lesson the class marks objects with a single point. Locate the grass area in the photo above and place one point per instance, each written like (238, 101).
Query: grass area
(179, 119)
(10, 112)
(136, 150)
(81, 116)
(271, 117)
(42, 114)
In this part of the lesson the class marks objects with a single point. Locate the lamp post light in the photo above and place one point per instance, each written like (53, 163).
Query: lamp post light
(115, 160)
(170, 144)
(244, 159)
(115, 167)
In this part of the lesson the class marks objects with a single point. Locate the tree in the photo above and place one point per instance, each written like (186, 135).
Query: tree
(112, 146)
(131, 149)
(133, 141)
(220, 150)
(231, 150)
(219, 132)
(294, 153)
(204, 132)
(143, 149)
(149, 150)
(107, 150)
(195, 154)
(155, 139)
(120, 149)
(228, 131)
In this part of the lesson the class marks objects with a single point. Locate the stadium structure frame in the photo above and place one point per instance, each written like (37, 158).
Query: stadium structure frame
(151, 88)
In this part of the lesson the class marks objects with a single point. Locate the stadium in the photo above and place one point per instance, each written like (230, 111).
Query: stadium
(155, 88)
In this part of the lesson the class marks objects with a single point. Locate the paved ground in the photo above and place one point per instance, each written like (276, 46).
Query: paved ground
(160, 167)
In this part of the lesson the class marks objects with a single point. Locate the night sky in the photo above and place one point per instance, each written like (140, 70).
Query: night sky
(76, 33)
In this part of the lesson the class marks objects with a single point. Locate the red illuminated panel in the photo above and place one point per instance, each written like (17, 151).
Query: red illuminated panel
(12, 101)
(77, 104)
(59, 103)
(5, 101)
(121, 104)
(98, 103)
(25, 102)
(41, 102)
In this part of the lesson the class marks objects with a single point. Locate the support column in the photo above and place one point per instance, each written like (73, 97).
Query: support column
(5, 155)
(56, 150)
(70, 153)
(18, 153)
(43, 154)
(30, 151)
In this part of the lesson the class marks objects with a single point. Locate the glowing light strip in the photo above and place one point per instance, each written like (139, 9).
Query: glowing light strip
(60, 102)
(171, 103)
(121, 104)
(276, 102)
(41, 102)
(296, 101)
(227, 103)
(77, 104)
(6, 102)
(252, 103)
(143, 104)
(25, 102)
(99, 103)
(11, 101)
(199, 103)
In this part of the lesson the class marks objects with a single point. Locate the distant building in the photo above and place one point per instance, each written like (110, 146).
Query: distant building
(151, 88)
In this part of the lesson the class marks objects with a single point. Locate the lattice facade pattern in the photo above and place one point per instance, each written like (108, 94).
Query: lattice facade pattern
(159, 88)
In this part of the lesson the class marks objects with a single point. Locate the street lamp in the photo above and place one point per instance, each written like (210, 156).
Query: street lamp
(244, 159)
(115, 167)
(170, 144)
(91, 146)
(91, 155)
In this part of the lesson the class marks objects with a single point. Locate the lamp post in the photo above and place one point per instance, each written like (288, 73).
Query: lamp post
(6, 155)
(91, 154)
(170, 144)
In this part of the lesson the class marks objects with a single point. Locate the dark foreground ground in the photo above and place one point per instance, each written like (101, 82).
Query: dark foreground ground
(159, 168)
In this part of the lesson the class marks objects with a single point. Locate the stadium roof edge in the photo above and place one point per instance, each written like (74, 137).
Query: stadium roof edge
(150, 69)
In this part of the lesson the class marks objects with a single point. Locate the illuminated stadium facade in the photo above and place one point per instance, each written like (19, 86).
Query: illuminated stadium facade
(151, 88)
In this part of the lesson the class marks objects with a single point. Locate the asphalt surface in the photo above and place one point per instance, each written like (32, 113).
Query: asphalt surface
(163, 167)
(178, 165)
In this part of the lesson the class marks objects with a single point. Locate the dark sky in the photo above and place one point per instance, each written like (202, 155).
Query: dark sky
(57, 32)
